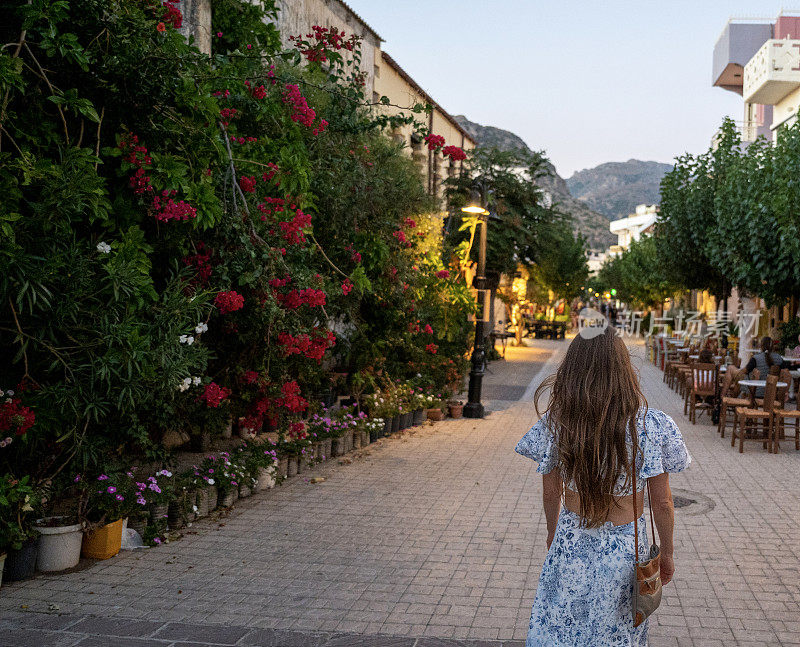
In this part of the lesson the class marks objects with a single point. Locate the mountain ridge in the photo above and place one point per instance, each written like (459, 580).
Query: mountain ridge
(614, 189)
(593, 225)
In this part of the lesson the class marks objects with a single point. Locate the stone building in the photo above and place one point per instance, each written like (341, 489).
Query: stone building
(296, 17)
(402, 91)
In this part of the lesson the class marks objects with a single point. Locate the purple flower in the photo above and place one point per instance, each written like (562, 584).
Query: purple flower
(111, 489)
(102, 477)
(156, 540)
(77, 478)
(120, 497)
(141, 501)
(155, 488)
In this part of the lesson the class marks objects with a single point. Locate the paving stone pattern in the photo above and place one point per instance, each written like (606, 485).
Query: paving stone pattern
(432, 537)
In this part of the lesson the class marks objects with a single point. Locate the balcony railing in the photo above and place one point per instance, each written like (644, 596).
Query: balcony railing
(773, 72)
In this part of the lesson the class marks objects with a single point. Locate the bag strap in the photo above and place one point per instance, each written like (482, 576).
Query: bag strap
(635, 436)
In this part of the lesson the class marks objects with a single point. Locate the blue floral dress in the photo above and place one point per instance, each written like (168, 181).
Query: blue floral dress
(584, 593)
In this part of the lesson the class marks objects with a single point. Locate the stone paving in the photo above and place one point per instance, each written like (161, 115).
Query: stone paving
(434, 536)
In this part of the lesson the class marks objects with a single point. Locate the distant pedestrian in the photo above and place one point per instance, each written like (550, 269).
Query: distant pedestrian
(587, 453)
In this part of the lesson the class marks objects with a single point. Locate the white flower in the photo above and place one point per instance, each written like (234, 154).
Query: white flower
(190, 340)
(182, 339)
(201, 328)
(195, 508)
(196, 381)
(10, 393)
(103, 247)
(211, 481)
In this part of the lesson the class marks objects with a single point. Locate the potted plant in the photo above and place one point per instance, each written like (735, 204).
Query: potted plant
(18, 536)
(205, 483)
(455, 408)
(160, 490)
(248, 462)
(183, 506)
(433, 407)
(110, 497)
(227, 478)
(418, 406)
(375, 428)
(266, 460)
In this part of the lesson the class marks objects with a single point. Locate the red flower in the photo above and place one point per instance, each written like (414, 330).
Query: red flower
(229, 301)
(214, 394)
(161, 27)
(248, 184)
(400, 235)
(15, 417)
(428, 329)
(250, 377)
(434, 141)
(454, 153)
(432, 348)
(347, 286)
(410, 223)
(443, 274)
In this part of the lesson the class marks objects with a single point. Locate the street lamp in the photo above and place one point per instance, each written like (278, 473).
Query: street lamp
(474, 408)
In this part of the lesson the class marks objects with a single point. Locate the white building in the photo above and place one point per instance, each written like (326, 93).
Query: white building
(595, 261)
(633, 227)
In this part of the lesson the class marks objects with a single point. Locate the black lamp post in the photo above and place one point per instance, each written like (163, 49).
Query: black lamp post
(474, 408)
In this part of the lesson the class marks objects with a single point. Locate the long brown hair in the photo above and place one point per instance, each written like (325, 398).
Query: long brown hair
(594, 400)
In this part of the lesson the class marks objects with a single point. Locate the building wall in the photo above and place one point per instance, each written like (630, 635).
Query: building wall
(197, 22)
(785, 111)
(296, 17)
(392, 83)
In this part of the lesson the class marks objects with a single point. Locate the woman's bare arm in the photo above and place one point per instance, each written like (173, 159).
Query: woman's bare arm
(664, 515)
(551, 500)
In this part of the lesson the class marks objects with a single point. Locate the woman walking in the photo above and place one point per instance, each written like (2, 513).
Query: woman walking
(585, 449)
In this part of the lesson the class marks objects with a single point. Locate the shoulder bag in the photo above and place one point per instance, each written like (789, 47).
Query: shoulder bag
(647, 573)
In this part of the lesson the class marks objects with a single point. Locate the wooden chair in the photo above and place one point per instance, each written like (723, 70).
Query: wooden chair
(703, 385)
(780, 415)
(749, 418)
(730, 399)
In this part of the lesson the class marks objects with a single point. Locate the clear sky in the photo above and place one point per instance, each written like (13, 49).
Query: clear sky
(588, 81)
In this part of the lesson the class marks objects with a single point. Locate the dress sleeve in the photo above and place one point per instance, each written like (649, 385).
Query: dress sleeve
(664, 449)
(538, 445)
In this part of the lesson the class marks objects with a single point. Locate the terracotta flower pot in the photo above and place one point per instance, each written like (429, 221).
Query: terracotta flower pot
(103, 542)
(59, 544)
(435, 414)
(456, 410)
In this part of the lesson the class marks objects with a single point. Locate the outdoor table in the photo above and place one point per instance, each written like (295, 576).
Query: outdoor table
(754, 384)
(795, 374)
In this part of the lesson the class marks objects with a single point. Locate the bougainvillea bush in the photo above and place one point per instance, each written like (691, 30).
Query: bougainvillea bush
(188, 239)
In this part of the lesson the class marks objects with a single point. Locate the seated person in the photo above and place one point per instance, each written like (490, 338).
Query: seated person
(764, 361)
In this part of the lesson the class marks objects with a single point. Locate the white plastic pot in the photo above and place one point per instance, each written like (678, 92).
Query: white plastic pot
(59, 546)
